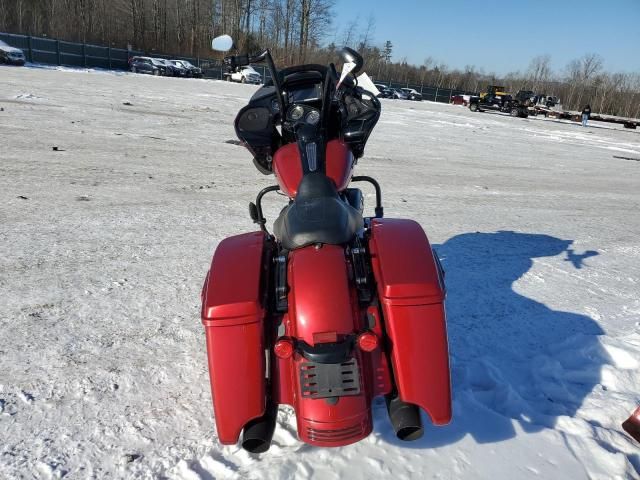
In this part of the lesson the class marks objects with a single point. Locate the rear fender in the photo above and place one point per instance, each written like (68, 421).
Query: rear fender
(323, 306)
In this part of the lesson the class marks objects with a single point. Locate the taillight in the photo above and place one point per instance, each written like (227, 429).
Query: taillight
(368, 341)
(283, 348)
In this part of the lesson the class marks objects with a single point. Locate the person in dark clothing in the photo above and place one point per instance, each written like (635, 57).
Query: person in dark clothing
(586, 113)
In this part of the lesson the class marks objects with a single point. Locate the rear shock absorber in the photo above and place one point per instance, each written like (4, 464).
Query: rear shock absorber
(361, 271)
(280, 282)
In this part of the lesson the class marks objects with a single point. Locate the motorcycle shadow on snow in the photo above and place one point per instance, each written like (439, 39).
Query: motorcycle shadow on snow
(515, 361)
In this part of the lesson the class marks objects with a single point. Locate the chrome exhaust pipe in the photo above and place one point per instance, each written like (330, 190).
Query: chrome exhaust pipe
(405, 419)
(258, 433)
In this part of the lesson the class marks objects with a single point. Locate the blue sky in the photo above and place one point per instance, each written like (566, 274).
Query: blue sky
(501, 36)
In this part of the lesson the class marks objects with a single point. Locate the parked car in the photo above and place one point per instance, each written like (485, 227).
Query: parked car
(181, 70)
(192, 70)
(527, 97)
(11, 55)
(244, 75)
(548, 101)
(171, 69)
(412, 94)
(147, 65)
(385, 92)
(160, 65)
(460, 100)
(398, 94)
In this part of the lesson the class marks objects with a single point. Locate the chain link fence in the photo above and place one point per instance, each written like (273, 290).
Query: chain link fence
(428, 92)
(58, 52)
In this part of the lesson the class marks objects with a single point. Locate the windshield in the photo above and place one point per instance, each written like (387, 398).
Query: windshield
(156, 61)
(250, 70)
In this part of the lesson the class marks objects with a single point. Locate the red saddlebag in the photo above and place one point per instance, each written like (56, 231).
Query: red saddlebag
(412, 295)
(233, 317)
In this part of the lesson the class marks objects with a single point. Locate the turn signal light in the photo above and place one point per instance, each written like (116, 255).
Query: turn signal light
(283, 348)
(368, 341)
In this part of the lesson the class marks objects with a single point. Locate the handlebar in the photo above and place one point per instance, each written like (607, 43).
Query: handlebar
(242, 60)
(328, 95)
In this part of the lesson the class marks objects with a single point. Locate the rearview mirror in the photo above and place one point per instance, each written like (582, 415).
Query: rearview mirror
(347, 68)
(223, 43)
(351, 56)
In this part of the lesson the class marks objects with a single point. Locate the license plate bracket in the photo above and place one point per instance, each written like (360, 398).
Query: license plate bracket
(326, 380)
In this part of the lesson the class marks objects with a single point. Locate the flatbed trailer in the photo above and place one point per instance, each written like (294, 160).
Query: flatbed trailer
(631, 123)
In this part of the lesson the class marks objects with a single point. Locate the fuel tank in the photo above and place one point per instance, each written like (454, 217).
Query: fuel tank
(287, 166)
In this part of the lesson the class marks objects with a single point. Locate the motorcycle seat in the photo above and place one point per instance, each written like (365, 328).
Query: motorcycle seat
(317, 215)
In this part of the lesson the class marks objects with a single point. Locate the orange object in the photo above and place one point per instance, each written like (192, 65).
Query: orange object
(283, 348)
(368, 341)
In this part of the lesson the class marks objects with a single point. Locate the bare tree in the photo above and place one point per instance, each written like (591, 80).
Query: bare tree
(295, 31)
(367, 33)
(540, 71)
(591, 65)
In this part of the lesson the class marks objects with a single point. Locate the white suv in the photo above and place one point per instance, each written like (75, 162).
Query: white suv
(245, 75)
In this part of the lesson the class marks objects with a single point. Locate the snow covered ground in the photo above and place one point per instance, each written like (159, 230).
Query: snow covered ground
(105, 242)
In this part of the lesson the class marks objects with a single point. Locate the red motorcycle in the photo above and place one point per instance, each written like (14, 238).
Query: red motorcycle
(333, 308)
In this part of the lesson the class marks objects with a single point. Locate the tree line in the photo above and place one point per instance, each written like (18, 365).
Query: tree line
(292, 28)
(301, 31)
(583, 81)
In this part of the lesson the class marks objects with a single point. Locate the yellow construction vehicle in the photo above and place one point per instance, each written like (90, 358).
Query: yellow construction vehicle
(495, 91)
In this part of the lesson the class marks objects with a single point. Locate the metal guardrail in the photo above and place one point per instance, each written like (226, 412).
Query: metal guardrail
(59, 52)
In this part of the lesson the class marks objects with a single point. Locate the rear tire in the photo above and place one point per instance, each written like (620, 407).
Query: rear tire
(156, 73)
(473, 107)
(515, 112)
(243, 80)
